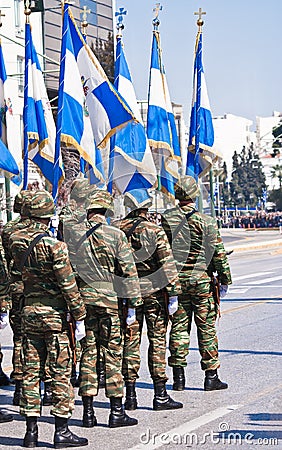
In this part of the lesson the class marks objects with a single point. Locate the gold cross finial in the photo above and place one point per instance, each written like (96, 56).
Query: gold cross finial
(84, 23)
(27, 10)
(156, 20)
(157, 10)
(200, 21)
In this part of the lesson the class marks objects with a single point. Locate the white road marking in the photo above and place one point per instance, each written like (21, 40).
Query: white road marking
(251, 275)
(237, 290)
(163, 439)
(267, 280)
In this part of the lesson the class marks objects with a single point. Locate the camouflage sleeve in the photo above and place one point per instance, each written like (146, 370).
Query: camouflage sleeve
(127, 273)
(4, 284)
(66, 280)
(167, 264)
(5, 242)
(219, 260)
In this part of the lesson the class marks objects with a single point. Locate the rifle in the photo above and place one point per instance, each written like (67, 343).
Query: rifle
(166, 300)
(216, 293)
(71, 324)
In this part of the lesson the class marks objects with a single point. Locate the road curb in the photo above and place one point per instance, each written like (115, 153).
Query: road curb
(242, 248)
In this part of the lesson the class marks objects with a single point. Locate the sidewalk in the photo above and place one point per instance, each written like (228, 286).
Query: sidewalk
(240, 240)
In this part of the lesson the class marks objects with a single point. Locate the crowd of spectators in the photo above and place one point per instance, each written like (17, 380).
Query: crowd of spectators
(260, 219)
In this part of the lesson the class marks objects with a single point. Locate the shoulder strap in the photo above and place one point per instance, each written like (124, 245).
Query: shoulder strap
(180, 225)
(30, 248)
(129, 232)
(87, 234)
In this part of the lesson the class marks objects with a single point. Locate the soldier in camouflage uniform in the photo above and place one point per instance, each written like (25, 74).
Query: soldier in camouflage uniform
(159, 288)
(16, 289)
(50, 291)
(103, 260)
(4, 307)
(72, 214)
(196, 245)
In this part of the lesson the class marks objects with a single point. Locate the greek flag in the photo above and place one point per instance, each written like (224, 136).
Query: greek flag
(161, 128)
(201, 136)
(131, 161)
(90, 110)
(7, 160)
(39, 125)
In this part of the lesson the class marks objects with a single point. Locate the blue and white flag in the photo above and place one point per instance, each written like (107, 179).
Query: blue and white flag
(8, 133)
(131, 161)
(201, 135)
(161, 128)
(39, 125)
(90, 110)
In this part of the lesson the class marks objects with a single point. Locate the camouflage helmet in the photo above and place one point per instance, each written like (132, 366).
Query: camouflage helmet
(40, 205)
(81, 189)
(100, 199)
(137, 199)
(19, 200)
(186, 188)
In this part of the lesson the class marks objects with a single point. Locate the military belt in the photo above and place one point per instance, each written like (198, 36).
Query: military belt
(102, 285)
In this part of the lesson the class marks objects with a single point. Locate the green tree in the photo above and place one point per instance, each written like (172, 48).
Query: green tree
(276, 197)
(104, 50)
(276, 172)
(248, 179)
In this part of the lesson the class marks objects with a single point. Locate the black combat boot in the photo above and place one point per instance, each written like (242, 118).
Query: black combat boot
(17, 393)
(178, 378)
(118, 418)
(31, 435)
(162, 400)
(47, 397)
(4, 417)
(63, 437)
(4, 379)
(130, 399)
(88, 420)
(212, 382)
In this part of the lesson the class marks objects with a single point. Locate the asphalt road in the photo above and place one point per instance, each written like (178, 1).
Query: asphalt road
(245, 415)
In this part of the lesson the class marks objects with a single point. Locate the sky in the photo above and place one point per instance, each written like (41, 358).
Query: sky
(241, 52)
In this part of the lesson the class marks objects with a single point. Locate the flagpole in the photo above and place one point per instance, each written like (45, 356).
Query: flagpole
(27, 12)
(198, 63)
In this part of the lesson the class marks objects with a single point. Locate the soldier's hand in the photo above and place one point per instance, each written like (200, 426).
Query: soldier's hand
(79, 330)
(223, 290)
(4, 320)
(172, 305)
(131, 316)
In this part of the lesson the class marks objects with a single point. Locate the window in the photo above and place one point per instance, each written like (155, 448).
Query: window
(20, 70)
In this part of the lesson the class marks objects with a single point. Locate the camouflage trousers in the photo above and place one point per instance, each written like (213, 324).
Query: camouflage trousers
(195, 301)
(15, 322)
(103, 333)
(36, 350)
(154, 312)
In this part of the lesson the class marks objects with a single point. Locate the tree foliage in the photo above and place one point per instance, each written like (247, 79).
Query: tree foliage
(104, 51)
(248, 180)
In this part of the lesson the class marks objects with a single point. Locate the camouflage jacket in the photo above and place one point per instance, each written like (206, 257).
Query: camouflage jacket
(9, 228)
(70, 215)
(4, 283)
(196, 246)
(104, 264)
(153, 257)
(47, 274)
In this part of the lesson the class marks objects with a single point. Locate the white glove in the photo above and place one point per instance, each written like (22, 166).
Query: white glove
(172, 305)
(4, 320)
(223, 290)
(131, 316)
(79, 330)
